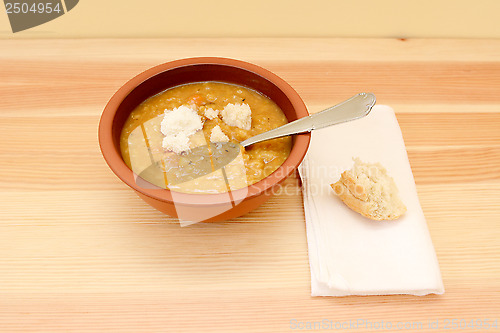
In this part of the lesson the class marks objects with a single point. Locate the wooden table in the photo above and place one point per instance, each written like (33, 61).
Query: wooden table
(80, 252)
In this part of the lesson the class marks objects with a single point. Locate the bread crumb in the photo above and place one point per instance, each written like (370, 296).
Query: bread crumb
(218, 135)
(239, 115)
(370, 191)
(177, 126)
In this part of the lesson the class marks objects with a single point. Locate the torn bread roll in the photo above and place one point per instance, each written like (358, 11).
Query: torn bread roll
(370, 191)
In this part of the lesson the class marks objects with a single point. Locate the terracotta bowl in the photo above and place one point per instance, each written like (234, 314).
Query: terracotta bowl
(200, 207)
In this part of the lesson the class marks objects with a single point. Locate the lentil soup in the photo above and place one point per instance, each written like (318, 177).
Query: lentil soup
(141, 137)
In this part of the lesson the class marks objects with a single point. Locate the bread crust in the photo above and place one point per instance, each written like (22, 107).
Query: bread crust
(357, 197)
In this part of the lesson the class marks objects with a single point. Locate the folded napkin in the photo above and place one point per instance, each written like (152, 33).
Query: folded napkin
(348, 253)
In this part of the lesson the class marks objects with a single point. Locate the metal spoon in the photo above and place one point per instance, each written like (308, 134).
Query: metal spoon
(222, 153)
(355, 107)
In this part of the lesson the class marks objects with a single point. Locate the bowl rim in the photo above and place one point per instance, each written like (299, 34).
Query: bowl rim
(115, 161)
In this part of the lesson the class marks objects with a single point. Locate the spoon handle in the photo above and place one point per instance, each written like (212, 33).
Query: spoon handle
(355, 107)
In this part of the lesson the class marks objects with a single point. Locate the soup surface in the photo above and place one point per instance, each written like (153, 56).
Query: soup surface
(142, 137)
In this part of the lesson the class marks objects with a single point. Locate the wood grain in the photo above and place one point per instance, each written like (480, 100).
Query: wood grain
(80, 252)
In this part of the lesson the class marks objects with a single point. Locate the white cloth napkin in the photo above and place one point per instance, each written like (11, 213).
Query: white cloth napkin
(348, 253)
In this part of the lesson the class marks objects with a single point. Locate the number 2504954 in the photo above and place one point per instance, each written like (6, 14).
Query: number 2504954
(35, 8)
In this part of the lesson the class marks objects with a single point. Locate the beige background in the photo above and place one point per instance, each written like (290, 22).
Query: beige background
(271, 18)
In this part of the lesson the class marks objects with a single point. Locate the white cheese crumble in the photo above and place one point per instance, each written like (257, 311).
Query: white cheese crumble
(239, 115)
(177, 126)
(217, 135)
(176, 143)
(211, 113)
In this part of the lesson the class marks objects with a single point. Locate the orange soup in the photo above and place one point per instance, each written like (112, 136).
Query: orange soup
(142, 141)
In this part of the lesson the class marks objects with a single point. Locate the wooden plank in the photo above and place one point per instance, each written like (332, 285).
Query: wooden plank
(80, 252)
(57, 83)
(284, 50)
(44, 153)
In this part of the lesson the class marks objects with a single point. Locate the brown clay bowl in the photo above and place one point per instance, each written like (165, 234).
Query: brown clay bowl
(200, 207)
